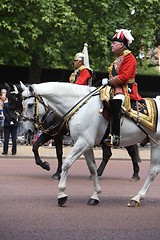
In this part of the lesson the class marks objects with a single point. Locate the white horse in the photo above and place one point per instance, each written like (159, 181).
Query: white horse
(87, 127)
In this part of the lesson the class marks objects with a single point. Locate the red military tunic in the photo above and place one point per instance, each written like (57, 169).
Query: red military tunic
(83, 77)
(80, 76)
(121, 72)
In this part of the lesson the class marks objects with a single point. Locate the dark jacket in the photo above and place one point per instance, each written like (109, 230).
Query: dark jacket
(11, 118)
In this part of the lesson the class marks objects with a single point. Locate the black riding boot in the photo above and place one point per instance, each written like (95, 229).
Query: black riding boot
(115, 108)
(145, 141)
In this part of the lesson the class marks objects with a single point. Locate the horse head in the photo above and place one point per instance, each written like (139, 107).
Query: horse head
(37, 114)
(28, 109)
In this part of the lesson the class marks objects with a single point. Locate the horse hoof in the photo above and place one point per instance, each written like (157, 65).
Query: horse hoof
(56, 176)
(93, 202)
(99, 174)
(62, 201)
(133, 203)
(46, 166)
(135, 178)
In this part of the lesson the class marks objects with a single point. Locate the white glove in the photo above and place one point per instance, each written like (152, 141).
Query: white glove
(105, 81)
(129, 90)
(11, 123)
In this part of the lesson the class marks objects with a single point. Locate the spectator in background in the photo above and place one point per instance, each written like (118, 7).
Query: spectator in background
(11, 123)
(141, 55)
(2, 100)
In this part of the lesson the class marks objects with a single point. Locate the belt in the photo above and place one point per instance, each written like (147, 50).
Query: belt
(131, 80)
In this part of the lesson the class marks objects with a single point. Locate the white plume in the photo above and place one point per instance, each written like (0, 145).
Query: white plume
(127, 34)
(158, 97)
(86, 57)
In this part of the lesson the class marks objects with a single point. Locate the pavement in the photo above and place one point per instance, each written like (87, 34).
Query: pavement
(29, 206)
(25, 151)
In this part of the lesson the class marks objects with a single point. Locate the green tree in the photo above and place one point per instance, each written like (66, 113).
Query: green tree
(32, 32)
(41, 33)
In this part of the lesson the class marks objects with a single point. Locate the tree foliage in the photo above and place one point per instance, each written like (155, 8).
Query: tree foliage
(42, 33)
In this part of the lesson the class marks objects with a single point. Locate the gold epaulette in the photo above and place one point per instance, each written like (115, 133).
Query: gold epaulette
(72, 78)
(126, 52)
(81, 68)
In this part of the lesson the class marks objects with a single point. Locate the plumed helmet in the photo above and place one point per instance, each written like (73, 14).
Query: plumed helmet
(124, 36)
(79, 56)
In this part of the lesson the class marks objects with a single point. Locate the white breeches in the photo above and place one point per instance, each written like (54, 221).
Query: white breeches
(119, 96)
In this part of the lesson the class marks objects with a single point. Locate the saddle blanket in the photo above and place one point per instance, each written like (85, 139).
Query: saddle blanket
(145, 113)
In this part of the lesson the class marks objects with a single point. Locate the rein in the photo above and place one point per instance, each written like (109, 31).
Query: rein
(78, 105)
(39, 125)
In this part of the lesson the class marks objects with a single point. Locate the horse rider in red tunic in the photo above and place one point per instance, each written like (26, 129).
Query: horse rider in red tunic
(83, 73)
(121, 79)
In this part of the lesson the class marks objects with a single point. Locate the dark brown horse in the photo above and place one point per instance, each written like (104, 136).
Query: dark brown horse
(133, 153)
(49, 126)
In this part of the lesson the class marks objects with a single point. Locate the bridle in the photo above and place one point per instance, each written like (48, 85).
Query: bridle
(64, 121)
(53, 129)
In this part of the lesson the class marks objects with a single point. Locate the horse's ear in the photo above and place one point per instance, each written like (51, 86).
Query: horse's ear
(15, 89)
(23, 87)
(7, 86)
(31, 89)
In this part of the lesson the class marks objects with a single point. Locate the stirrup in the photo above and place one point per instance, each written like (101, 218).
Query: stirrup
(112, 140)
(116, 140)
(108, 141)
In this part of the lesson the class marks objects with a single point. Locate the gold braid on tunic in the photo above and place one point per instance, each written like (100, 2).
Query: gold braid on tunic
(75, 74)
(116, 79)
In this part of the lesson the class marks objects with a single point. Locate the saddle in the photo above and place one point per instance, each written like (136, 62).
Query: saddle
(142, 111)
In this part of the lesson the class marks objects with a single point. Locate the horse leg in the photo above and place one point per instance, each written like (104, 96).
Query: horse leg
(78, 149)
(43, 138)
(145, 141)
(58, 140)
(152, 173)
(106, 151)
(134, 154)
(68, 161)
(89, 156)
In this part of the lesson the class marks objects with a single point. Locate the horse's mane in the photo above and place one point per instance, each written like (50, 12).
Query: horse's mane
(61, 88)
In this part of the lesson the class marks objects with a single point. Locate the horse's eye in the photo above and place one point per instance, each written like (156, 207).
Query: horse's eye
(30, 105)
